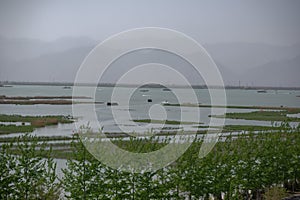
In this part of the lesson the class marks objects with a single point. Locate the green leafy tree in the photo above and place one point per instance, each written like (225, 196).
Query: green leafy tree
(84, 177)
(7, 172)
(27, 171)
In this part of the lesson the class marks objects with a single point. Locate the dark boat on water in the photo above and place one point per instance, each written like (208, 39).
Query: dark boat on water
(261, 91)
(112, 104)
(5, 85)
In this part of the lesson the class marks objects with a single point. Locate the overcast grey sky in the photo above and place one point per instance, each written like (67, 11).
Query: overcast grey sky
(256, 41)
(211, 21)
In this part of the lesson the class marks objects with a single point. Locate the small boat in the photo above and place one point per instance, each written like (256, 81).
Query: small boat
(149, 100)
(5, 85)
(144, 90)
(261, 91)
(112, 104)
(165, 102)
(166, 89)
(67, 87)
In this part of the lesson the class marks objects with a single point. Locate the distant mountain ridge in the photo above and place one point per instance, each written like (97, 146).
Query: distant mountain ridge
(23, 49)
(241, 56)
(59, 60)
(276, 73)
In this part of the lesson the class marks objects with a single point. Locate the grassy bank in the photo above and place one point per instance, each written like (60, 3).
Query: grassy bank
(33, 102)
(261, 116)
(41, 97)
(52, 100)
(35, 122)
(62, 153)
(5, 129)
(290, 110)
(172, 122)
(230, 128)
(39, 138)
(47, 119)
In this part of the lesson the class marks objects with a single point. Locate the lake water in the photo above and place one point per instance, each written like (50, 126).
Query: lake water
(139, 106)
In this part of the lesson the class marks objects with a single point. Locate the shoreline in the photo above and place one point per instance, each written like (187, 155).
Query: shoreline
(12, 83)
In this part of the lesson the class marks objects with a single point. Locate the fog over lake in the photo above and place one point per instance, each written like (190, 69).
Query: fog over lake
(253, 43)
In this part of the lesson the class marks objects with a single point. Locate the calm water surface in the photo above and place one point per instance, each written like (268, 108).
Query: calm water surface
(139, 107)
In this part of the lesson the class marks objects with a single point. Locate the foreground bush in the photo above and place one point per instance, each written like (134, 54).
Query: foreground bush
(275, 193)
(245, 167)
(238, 168)
(27, 175)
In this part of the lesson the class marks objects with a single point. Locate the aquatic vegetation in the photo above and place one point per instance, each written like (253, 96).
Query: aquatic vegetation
(230, 128)
(21, 118)
(262, 115)
(154, 121)
(35, 122)
(32, 100)
(5, 129)
(290, 110)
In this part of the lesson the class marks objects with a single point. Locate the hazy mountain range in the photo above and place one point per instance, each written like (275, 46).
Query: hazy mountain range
(59, 60)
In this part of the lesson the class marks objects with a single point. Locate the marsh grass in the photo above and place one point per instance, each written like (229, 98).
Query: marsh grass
(5, 129)
(275, 193)
(171, 122)
(261, 116)
(35, 122)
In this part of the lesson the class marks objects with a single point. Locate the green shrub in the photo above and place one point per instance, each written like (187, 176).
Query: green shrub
(275, 193)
